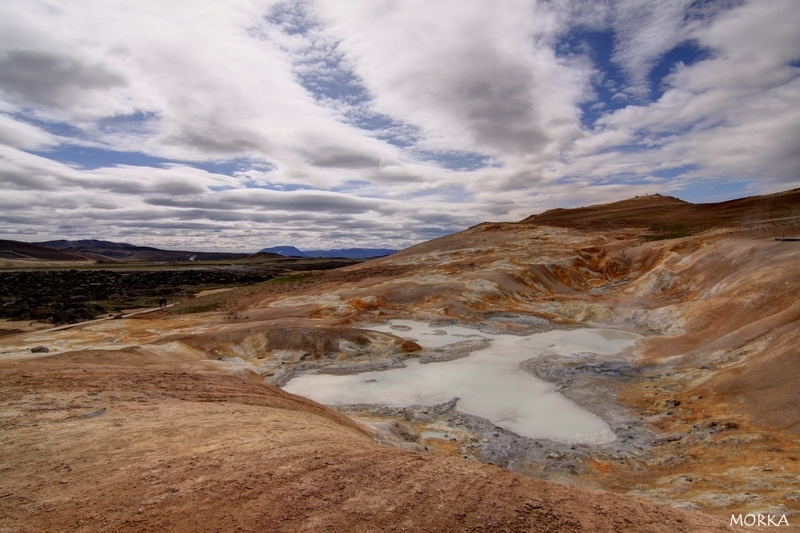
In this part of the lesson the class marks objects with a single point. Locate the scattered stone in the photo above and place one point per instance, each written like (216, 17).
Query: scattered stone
(516, 318)
(667, 439)
(456, 350)
(92, 414)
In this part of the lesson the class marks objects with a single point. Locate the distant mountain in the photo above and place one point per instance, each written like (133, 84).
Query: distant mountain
(348, 253)
(120, 251)
(108, 251)
(288, 251)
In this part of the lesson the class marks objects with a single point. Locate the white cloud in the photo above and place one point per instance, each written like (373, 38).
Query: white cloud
(22, 135)
(339, 118)
(645, 30)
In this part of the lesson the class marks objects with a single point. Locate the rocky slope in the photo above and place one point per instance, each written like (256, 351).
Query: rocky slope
(703, 406)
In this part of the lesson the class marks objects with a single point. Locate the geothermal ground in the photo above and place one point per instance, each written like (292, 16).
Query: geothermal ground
(174, 420)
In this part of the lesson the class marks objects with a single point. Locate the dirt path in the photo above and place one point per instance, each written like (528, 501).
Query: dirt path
(22, 334)
(87, 322)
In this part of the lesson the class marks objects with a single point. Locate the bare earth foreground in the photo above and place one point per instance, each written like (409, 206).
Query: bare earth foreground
(191, 451)
(172, 422)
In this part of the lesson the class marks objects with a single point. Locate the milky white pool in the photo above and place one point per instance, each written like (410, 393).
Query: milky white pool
(488, 383)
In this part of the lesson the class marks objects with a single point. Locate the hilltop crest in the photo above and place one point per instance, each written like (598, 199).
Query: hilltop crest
(658, 212)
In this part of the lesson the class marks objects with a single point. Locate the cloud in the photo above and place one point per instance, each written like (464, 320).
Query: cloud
(645, 31)
(293, 201)
(279, 122)
(340, 157)
(19, 134)
(52, 79)
(477, 93)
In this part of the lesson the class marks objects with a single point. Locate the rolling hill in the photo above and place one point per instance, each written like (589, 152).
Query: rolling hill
(130, 252)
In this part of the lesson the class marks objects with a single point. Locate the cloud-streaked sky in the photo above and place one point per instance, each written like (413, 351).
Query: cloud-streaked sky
(242, 124)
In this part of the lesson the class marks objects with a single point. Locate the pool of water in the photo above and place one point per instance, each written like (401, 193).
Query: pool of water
(488, 383)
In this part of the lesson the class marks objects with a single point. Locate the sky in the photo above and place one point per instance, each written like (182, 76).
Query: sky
(243, 124)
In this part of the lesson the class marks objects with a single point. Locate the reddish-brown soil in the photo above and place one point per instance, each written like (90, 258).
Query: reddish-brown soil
(661, 213)
(140, 424)
(95, 448)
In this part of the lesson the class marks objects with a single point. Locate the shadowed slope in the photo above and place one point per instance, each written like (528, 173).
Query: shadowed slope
(24, 250)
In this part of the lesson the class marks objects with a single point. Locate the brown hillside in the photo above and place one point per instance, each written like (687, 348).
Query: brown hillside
(665, 213)
(24, 250)
(153, 449)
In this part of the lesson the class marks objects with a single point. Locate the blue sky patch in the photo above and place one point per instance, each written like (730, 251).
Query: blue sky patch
(687, 53)
(90, 158)
(675, 171)
(293, 17)
(283, 187)
(61, 129)
(455, 160)
(351, 186)
(228, 167)
(609, 81)
(323, 72)
(130, 122)
(708, 191)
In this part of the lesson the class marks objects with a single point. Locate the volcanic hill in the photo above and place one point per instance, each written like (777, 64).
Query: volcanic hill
(174, 421)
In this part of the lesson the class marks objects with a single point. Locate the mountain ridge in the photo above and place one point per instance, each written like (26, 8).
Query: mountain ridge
(120, 251)
(348, 253)
(657, 212)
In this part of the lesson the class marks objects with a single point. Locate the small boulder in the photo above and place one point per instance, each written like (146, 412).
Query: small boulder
(40, 349)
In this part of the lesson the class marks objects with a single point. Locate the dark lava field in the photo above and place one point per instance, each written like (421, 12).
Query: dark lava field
(70, 296)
